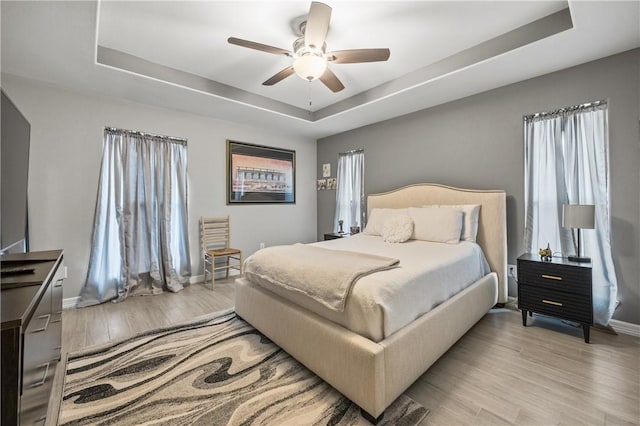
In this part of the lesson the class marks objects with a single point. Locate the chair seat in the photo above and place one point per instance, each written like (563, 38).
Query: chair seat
(223, 251)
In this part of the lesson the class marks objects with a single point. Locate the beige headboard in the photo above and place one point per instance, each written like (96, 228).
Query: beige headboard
(492, 226)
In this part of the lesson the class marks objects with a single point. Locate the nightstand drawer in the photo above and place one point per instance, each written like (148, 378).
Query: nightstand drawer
(336, 235)
(575, 307)
(555, 277)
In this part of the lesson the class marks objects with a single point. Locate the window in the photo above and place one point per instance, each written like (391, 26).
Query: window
(350, 190)
(140, 238)
(567, 162)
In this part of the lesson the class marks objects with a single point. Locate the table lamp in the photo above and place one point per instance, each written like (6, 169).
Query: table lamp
(578, 216)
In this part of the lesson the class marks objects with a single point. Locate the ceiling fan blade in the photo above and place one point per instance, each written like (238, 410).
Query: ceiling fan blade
(258, 46)
(317, 25)
(279, 76)
(355, 56)
(331, 81)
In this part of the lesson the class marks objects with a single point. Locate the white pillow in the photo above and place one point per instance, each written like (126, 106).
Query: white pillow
(469, 221)
(439, 225)
(378, 217)
(398, 229)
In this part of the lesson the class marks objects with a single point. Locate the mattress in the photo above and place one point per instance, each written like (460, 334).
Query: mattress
(382, 303)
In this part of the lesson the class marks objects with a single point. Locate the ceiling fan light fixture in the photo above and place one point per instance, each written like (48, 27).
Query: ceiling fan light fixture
(310, 67)
(309, 53)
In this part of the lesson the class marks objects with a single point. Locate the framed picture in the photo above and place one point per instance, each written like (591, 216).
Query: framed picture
(322, 184)
(326, 170)
(331, 183)
(260, 174)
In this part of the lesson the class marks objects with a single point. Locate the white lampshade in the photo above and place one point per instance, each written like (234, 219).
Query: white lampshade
(310, 67)
(580, 216)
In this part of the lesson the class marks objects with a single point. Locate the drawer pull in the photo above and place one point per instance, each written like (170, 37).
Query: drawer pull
(46, 324)
(44, 377)
(552, 277)
(551, 302)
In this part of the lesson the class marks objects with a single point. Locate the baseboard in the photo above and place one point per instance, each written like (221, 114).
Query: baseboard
(70, 303)
(625, 327)
(196, 279)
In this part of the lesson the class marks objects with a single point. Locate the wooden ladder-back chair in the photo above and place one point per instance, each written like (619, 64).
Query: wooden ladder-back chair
(214, 235)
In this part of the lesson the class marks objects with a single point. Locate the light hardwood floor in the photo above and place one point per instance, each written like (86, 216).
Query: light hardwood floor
(499, 373)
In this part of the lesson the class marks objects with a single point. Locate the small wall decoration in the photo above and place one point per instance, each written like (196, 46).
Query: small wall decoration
(259, 174)
(331, 183)
(326, 170)
(322, 184)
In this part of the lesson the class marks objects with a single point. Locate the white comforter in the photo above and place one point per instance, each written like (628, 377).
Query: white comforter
(384, 302)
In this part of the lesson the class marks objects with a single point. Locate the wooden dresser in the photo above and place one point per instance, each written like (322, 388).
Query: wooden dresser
(31, 334)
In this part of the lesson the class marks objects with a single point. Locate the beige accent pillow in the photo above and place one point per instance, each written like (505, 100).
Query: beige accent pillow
(435, 224)
(398, 229)
(469, 221)
(378, 217)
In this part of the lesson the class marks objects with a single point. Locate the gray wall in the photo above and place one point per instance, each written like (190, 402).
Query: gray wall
(66, 148)
(477, 142)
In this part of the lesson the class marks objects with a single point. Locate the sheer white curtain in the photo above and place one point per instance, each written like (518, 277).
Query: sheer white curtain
(544, 191)
(567, 162)
(140, 237)
(350, 190)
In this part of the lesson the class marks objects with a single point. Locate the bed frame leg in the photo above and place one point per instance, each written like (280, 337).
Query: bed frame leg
(370, 418)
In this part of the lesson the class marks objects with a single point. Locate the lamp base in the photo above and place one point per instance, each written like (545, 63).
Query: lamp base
(579, 259)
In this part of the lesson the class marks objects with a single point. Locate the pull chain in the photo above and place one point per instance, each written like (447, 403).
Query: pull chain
(310, 103)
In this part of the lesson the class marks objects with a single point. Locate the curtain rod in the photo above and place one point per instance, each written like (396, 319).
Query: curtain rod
(566, 109)
(353, 151)
(135, 132)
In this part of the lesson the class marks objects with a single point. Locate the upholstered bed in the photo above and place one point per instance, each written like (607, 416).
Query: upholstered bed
(373, 372)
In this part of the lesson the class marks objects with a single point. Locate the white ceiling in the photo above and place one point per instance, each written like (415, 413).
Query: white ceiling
(193, 37)
(175, 54)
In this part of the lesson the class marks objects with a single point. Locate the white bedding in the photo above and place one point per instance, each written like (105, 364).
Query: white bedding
(309, 274)
(384, 302)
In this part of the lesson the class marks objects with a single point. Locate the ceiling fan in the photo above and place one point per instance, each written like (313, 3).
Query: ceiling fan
(310, 56)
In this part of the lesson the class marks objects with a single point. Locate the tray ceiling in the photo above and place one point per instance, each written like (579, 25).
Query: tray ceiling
(175, 53)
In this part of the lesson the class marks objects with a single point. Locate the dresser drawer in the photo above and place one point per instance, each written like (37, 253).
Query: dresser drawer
(38, 367)
(36, 335)
(34, 401)
(55, 326)
(574, 307)
(551, 276)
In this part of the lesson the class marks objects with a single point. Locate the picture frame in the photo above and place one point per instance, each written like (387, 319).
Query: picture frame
(258, 174)
(326, 170)
(321, 185)
(331, 183)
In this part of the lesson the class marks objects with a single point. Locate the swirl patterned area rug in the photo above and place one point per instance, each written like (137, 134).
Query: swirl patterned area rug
(214, 371)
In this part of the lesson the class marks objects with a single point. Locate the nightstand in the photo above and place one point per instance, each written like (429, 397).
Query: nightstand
(336, 235)
(559, 288)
